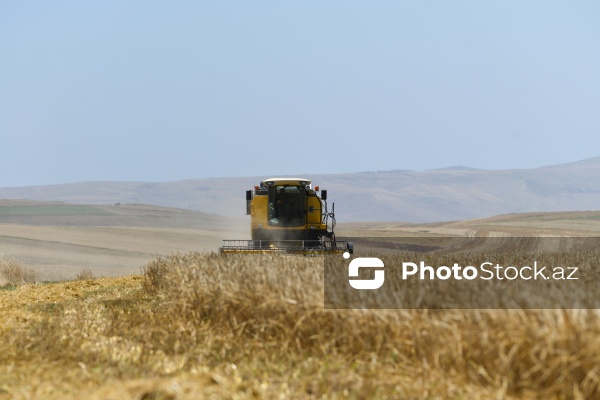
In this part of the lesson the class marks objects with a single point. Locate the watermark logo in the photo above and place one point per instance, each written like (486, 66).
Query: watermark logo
(366, 262)
(467, 273)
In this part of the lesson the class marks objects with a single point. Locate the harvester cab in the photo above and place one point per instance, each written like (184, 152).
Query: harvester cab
(288, 215)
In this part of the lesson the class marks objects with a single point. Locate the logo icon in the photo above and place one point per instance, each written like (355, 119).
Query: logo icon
(366, 262)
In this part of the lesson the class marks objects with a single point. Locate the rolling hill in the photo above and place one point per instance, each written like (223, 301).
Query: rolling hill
(59, 240)
(454, 193)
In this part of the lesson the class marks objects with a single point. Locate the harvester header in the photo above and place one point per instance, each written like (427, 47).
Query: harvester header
(288, 215)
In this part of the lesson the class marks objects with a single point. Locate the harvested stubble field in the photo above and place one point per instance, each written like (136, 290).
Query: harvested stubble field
(58, 240)
(203, 325)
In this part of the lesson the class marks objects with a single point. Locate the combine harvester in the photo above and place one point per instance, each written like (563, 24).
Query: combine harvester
(288, 216)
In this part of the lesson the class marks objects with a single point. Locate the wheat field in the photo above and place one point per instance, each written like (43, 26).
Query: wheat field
(205, 325)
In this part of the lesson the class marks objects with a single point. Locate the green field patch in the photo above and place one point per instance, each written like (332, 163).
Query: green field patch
(51, 209)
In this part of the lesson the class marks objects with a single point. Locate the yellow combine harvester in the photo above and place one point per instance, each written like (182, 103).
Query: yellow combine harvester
(288, 215)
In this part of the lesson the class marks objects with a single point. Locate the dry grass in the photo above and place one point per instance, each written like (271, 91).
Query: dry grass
(85, 274)
(14, 273)
(212, 326)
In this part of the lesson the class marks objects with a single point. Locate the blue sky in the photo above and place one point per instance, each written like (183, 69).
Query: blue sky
(162, 91)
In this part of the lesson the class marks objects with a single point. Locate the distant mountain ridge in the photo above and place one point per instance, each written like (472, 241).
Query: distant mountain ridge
(446, 194)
